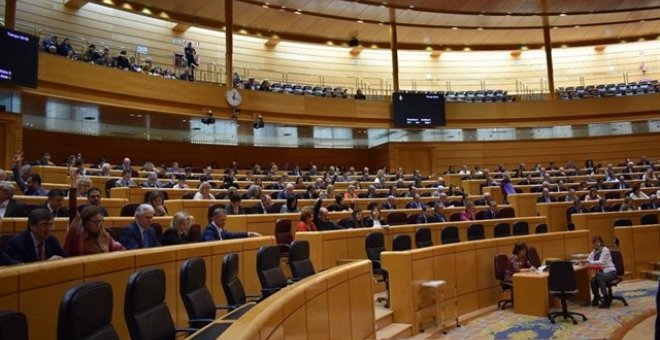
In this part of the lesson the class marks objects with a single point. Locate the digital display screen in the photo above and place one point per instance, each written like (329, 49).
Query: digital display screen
(418, 109)
(18, 58)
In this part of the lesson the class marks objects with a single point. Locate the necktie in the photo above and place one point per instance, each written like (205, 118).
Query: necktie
(145, 240)
(42, 251)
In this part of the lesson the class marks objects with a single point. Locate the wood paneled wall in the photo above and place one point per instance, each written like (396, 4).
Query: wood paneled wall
(11, 140)
(611, 149)
(334, 65)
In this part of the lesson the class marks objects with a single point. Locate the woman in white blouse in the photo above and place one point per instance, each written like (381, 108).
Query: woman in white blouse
(204, 192)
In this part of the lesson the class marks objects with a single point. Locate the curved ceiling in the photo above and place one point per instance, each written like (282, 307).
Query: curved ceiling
(501, 24)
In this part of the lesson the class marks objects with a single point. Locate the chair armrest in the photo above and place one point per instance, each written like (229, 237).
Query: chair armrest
(199, 323)
(186, 330)
(228, 307)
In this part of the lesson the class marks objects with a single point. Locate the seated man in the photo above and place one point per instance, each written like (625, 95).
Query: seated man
(491, 213)
(427, 216)
(439, 213)
(575, 209)
(54, 204)
(93, 198)
(215, 231)
(600, 206)
(28, 182)
(140, 234)
(389, 204)
(545, 196)
(263, 205)
(125, 180)
(9, 207)
(321, 219)
(36, 243)
(310, 193)
(234, 207)
(416, 203)
(287, 192)
(484, 200)
(443, 200)
(652, 204)
(152, 181)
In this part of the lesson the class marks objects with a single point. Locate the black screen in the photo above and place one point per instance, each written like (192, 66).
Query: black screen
(418, 109)
(18, 58)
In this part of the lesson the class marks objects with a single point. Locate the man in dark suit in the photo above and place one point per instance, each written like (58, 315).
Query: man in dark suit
(545, 196)
(309, 194)
(140, 234)
(491, 213)
(652, 204)
(93, 198)
(263, 205)
(8, 206)
(234, 207)
(621, 184)
(575, 209)
(321, 217)
(54, 204)
(389, 204)
(439, 213)
(601, 206)
(215, 231)
(416, 203)
(484, 200)
(36, 243)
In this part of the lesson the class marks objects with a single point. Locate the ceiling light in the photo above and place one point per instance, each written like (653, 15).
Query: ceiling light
(576, 26)
(360, 21)
(297, 12)
(454, 28)
(265, 6)
(562, 14)
(480, 28)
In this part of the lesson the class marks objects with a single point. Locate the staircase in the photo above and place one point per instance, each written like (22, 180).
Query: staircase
(653, 273)
(385, 326)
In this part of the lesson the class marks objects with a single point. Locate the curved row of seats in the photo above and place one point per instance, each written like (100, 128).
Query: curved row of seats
(609, 90)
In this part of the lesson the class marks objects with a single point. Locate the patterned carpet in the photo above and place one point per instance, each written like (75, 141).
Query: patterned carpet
(601, 323)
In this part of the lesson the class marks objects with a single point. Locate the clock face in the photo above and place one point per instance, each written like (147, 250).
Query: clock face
(234, 97)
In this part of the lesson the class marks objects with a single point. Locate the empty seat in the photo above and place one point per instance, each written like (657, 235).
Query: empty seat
(533, 257)
(86, 313)
(502, 229)
(476, 232)
(649, 219)
(423, 238)
(449, 235)
(374, 244)
(270, 273)
(283, 235)
(128, 210)
(501, 261)
(232, 286)
(520, 228)
(623, 222)
(397, 218)
(401, 242)
(541, 228)
(562, 284)
(13, 325)
(299, 263)
(195, 295)
(507, 213)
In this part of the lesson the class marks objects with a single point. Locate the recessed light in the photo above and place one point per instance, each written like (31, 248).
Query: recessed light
(89, 118)
(562, 14)
(454, 28)
(360, 21)
(480, 28)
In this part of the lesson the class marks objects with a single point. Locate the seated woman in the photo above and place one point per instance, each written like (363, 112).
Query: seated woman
(637, 192)
(204, 192)
(306, 220)
(86, 235)
(601, 256)
(374, 219)
(518, 262)
(350, 193)
(291, 206)
(339, 204)
(156, 198)
(628, 204)
(469, 213)
(356, 219)
(300, 184)
(177, 233)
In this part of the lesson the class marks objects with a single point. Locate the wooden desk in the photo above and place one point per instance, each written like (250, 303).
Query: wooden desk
(112, 205)
(603, 223)
(531, 295)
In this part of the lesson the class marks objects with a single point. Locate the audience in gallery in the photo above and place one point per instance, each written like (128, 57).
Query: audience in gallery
(86, 234)
(179, 230)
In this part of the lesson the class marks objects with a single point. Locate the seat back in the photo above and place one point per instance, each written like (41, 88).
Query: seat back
(275, 208)
(611, 195)
(481, 215)
(455, 217)
(649, 219)
(397, 218)
(412, 218)
(623, 222)
(13, 325)
(502, 229)
(128, 210)
(86, 313)
(212, 208)
(533, 257)
(423, 238)
(231, 283)
(344, 222)
(570, 226)
(283, 233)
(109, 184)
(449, 235)
(541, 228)
(374, 244)
(268, 268)
(561, 277)
(195, 233)
(507, 213)
(188, 196)
(192, 286)
(617, 259)
(521, 228)
(476, 232)
(145, 310)
(401, 242)
(299, 262)
(500, 262)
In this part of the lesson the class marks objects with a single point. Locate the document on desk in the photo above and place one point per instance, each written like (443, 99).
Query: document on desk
(541, 269)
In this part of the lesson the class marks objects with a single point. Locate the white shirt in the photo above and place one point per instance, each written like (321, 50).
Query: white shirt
(3, 208)
(199, 196)
(377, 223)
(641, 195)
(605, 260)
(218, 229)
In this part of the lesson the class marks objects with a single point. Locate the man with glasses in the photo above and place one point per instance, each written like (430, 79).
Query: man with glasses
(36, 243)
(93, 198)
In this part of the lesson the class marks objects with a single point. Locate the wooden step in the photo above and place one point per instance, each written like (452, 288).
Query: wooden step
(651, 274)
(394, 331)
(384, 317)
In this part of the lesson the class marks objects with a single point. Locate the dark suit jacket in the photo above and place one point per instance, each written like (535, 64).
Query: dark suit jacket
(541, 199)
(15, 209)
(258, 209)
(171, 237)
(211, 234)
(480, 201)
(387, 206)
(415, 205)
(5, 260)
(489, 215)
(649, 206)
(230, 210)
(437, 218)
(572, 211)
(21, 248)
(61, 212)
(368, 222)
(599, 209)
(131, 237)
